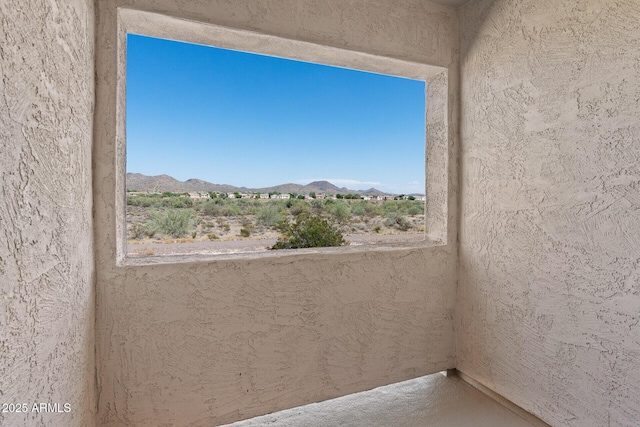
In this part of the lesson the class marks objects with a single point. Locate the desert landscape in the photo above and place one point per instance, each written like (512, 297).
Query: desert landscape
(211, 222)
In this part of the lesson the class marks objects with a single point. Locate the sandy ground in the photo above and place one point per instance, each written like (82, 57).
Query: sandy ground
(248, 245)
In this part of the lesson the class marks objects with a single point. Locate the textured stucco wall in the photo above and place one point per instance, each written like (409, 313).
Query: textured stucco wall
(548, 310)
(46, 262)
(201, 343)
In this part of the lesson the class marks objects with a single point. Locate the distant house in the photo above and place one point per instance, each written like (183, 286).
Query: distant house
(285, 196)
(231, 195)
(320, 196)
(198, 195)
(264, 195)
(421, 198)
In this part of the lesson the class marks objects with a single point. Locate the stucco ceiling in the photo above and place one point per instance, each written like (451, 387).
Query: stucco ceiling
(450, 2)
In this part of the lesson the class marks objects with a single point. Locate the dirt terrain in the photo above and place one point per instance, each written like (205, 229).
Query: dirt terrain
(250, 245)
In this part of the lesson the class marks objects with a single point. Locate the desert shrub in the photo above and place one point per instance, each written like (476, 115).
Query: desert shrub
(390, 206)
(211, 208)
(409, 207)
(170, 194)
(359, 209)
(173, 222)
(231, 210)
(244, 232)
(153, 200)
(373, 209)
(340, 212)
(143, 201)
(414, 210)
(308, 232)
(316, 204)
(253, 207)
(300, 207)
(212, 236)
(269, 215)
(180, 202)
(137, 231)
(223, 224)
(243, 205)
(395, 219)
(377, 229)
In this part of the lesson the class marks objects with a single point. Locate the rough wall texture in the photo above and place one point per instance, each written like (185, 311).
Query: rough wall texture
(548, 304)
(202, 343)
(46, 263)
(208, 343)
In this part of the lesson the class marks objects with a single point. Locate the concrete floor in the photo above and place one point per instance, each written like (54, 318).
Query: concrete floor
(434, 400)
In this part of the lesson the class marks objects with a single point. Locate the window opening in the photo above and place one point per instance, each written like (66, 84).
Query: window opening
(229, 151)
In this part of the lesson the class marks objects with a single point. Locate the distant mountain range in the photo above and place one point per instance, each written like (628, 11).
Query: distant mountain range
(162, 183)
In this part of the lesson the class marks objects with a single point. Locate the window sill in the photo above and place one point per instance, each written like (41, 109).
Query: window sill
(281, 253)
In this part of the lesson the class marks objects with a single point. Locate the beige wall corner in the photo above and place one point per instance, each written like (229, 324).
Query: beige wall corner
(547, 311)
(209, 342)
(46, 245)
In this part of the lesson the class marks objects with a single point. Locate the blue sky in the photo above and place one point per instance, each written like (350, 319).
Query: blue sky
(243, 119)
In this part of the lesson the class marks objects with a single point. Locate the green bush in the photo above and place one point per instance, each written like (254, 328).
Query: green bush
(300, 207)
(340, 212)
(390, 206)
(244, 232)
(179, 202)
(231, 210)
(316, 204)
(372, 210)
(308, 232)
(395, 219)
(359, 209)
(269, 216)
(211, 207)
(143, 201)
(173, 222)
(414, 210)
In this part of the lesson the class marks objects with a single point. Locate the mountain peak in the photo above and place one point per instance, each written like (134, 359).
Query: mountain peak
(323, 186)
